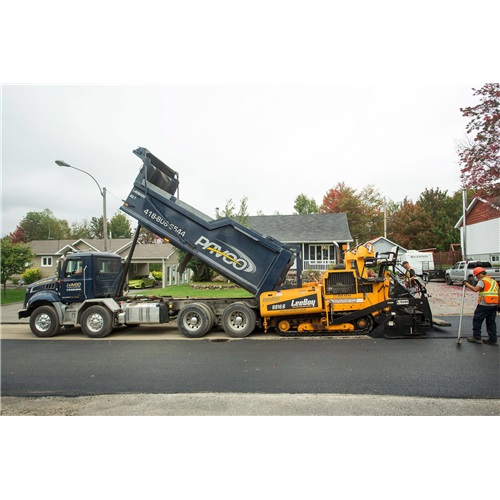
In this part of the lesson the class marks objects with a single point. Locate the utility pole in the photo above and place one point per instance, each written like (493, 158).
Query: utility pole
(464, 224)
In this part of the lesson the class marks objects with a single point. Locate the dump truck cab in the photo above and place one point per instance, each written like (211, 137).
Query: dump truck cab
(80, 276)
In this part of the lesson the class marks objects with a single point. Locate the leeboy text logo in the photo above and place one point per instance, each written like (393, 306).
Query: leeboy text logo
(304, 303)
(230, 255)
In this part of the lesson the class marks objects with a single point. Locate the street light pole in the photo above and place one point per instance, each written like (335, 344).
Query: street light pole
(103, 194)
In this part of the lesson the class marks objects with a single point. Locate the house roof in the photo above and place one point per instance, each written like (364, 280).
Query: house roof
(153, 251)
(309, 228)
(383, 239)
(59, 247)
(477, 199)
(119, 246)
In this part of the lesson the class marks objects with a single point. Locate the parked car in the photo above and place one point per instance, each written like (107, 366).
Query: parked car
(459, 273)
(143, 281)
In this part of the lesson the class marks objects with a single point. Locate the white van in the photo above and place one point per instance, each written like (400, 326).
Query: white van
(416, 258)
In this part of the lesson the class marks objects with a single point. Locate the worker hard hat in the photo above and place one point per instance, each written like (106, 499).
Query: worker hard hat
(479, 270)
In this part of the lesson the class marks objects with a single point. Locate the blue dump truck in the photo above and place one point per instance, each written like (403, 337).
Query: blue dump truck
(361, 295)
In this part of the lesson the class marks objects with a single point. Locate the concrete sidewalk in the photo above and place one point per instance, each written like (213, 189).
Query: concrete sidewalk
(8, 314)
(236, 404)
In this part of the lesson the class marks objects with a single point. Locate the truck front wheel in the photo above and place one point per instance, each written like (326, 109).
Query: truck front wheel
(238, 320)
(44, 322)
(97, 322)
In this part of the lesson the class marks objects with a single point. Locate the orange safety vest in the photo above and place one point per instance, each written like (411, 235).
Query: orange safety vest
(490, 291)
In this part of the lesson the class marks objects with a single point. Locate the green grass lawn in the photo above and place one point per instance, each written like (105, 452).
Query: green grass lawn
(181, 291)
(13, 295)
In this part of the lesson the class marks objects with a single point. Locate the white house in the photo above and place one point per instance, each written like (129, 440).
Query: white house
(482, 230)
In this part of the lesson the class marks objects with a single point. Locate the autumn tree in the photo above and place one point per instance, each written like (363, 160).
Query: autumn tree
(364, 210)
(409, 226)
(18, 235)
(480, 156)
(343, 199)
(304, 205)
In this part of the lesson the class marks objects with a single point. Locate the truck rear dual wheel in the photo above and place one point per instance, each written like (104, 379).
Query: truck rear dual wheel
(195, 320)
(97, 322)
(238, 320)
(44, 322)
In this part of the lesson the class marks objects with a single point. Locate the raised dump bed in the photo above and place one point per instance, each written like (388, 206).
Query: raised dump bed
(254, 262)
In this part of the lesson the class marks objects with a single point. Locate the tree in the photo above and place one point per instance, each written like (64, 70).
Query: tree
(442, 212)
(96, 227)
(363, 210)
(18, 236)
(41, 226)
(480, 158)
(409, 226)
(343, 199)
(201, 272)
(304, 205)
(15, 257)
(81, 229)
(373, 204)
(229, 211)
(119, 226)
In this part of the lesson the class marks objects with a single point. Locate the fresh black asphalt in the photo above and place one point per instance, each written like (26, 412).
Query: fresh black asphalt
(432, 367)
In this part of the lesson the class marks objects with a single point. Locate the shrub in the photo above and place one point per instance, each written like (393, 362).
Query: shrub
(157, 275)
(31, 275)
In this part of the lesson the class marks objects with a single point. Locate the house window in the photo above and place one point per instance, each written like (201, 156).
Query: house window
(494, 258)
(321, 252)
(46, 261)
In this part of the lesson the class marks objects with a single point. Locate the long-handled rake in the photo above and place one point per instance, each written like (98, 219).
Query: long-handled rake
(459, 341)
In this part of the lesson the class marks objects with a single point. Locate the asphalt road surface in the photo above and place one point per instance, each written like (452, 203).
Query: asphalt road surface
(154, 370)
(433, 367)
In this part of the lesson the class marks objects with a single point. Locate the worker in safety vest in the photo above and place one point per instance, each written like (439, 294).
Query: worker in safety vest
(487, 306)
(412, 282)
(409, 274)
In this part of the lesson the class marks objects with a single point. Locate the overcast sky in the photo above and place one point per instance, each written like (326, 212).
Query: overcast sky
(267, 142)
